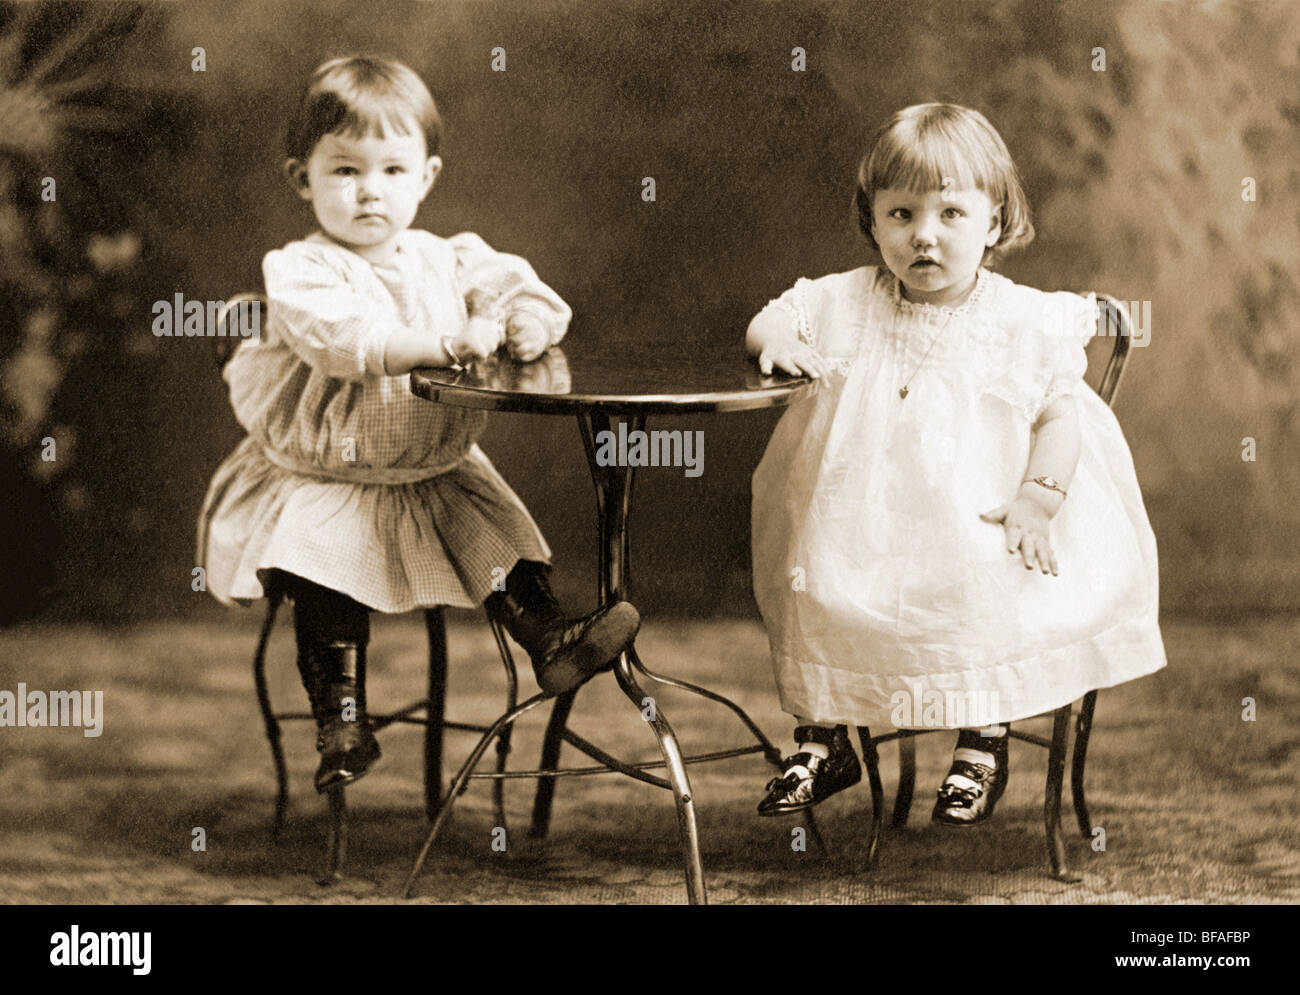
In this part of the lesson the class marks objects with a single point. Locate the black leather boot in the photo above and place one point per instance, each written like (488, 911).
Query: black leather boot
(565, 652)
(335, 679)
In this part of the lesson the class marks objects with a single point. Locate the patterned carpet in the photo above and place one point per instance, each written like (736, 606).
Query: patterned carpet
(1197, 804)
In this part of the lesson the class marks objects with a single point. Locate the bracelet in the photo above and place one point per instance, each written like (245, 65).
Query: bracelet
(1051, 483)
(456, 364)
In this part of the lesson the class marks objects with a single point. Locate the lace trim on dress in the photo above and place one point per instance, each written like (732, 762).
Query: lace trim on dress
(798, 310)
(916, 307)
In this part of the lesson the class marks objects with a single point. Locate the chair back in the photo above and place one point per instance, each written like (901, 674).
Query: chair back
(1113, 321)
(228, 335)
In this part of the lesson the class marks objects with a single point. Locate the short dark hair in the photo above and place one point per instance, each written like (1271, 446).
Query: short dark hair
(359, 95)
(926, 146)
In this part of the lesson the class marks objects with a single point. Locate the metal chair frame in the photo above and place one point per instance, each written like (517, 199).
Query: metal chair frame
(1114, 318)
(433, 719)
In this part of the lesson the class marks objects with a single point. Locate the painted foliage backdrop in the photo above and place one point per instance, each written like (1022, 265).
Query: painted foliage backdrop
(167, 181)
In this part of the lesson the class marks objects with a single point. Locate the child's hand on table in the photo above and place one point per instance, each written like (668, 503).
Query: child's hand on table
(527, 336)
(480, 338)
(793, 357)
(1028, 529)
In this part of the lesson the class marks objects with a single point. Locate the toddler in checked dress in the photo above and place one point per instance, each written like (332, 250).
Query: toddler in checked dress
(351, 494)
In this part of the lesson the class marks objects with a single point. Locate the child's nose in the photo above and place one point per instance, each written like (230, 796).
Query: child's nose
(925, 231)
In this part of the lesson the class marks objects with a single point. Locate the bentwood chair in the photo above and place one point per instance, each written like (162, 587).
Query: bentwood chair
(1112, 320)
(428, 712)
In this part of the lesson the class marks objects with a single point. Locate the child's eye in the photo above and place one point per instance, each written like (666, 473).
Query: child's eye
(395, 169)
(902, 213)
(954, 212)
(345, 170)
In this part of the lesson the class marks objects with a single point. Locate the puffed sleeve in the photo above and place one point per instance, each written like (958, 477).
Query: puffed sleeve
(1044, 360)
(324, 320)
(1069, 322)
(797, 304)
(498, 284)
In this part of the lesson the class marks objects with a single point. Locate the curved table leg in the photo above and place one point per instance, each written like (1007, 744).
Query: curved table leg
(681, 785)
(503, 742)
(461, 780)
(770, 752)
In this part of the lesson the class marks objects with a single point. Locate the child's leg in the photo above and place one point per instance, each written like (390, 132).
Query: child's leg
(333, 631)
(565, 652)
(824, 763)
(976, 779)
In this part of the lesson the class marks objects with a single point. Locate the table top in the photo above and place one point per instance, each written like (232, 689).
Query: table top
(585, 374)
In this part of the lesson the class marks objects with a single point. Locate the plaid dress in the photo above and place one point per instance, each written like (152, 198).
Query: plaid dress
(346, 477)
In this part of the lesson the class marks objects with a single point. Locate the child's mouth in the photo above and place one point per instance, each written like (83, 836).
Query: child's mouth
(924, 264)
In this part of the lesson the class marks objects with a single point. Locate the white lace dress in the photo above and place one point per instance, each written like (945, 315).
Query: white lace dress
(887, 600)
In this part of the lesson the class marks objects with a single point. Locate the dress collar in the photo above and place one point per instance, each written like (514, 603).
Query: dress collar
(917, 307)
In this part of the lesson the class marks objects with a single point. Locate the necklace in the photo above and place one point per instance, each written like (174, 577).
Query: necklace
(902, 391)
(947, 314)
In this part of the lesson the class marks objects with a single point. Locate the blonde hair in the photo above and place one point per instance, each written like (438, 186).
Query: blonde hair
(362, 94)
(933, 146)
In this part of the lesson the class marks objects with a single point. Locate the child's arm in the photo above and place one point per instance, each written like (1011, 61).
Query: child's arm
(773, 339)
(505, 289)
(407, 349)
(1053, 452)
(331, 327)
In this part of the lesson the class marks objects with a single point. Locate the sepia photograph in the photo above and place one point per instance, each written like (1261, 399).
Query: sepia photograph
(650, 452)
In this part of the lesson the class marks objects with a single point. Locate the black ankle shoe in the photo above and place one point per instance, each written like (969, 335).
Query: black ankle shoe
(564, 652)
(971, 790)
(348, 750)
(809, 779)
(344, 738)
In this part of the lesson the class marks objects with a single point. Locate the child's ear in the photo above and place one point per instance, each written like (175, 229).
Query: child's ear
(296, 172)
(432, 167)
(995, 228)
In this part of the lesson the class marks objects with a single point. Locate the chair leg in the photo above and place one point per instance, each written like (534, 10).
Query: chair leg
(268, 715)
(1083, 729)
(550, 761)
(906, 781)
(512, 701)
(436, 712)
(1052, 802)
(871, 756)
(338, 841)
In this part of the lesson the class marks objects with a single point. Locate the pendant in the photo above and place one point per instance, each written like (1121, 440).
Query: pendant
(902, 392)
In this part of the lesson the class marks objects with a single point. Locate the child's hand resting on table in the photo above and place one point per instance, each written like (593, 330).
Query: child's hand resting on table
(527, 336)
(480, 338)
(793, 357)
(1029, 530)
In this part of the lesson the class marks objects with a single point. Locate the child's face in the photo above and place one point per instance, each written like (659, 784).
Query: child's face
(934, 242)
(365, 191)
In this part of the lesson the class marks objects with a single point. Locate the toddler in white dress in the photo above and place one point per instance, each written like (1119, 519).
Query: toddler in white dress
(351, 494)
(951, 420)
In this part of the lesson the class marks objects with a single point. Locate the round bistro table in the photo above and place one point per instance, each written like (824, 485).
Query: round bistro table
(612, 386)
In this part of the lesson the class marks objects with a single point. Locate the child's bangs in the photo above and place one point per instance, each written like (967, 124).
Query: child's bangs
(360, 117)
(927, 160)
